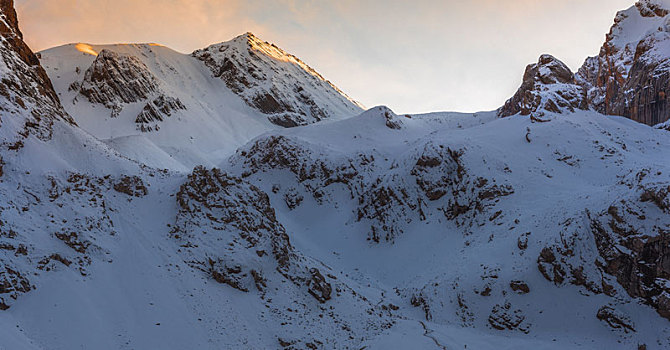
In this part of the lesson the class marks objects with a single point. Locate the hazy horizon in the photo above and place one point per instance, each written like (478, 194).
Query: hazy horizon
(428, 56)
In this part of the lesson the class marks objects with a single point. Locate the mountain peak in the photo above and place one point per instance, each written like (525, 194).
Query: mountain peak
(275, 82)
(548, 86)
(552, 70)
(7, 9)
(246, 38)
(630, 76)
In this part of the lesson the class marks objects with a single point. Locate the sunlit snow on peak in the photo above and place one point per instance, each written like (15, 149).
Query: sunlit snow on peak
(85, 48)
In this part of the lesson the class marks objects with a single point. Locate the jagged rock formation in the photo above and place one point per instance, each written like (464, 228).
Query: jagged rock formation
(633, 238)
(114, 79)
(351, 234)
(276, 83)
(631, 75)
(29, 103)
(548, 86)
(156, 111)
(224, 203)
(385, 194)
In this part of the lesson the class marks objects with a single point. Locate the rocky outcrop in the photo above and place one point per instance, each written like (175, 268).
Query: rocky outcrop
(25, 87)
(385, 114)
(319, 288)
(615, 319)
(504, 317)
(132, 186)
(632, 246)
(630, 76)
(244, 234)
(156, 111)
(276, 83)
(12, 284)
(114, 79)
(386, 198)
(633, 238)
(548, 86)
(520, 287)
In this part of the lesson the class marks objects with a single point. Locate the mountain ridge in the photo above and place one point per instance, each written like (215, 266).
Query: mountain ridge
(628, 78)
(374, 230)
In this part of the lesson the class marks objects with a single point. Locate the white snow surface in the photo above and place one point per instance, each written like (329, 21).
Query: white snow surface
(139, 292)
(215, 122)
(357, 198)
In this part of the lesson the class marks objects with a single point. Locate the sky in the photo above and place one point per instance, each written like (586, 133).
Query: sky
(413, 56)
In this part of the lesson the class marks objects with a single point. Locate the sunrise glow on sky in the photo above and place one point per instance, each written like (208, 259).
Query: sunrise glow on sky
(427, 55)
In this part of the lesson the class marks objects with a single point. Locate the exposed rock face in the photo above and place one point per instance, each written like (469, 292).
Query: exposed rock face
(25, 86)
(318, 286)
(615, 319)
(631, 75)
(276, 83)
(632, 241)
(114, 79)
(156, 111)
(548, 86)
(228, 230)
(132, 186)
(503, 317)
(29, 107)
(633, 238)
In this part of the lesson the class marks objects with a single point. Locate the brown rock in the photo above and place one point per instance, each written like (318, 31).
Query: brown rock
(548, 86)
(520, 287)
(615, 319)
(319, 288)
(132, 186)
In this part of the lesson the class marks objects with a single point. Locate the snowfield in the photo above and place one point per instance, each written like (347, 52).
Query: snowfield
(151, 199)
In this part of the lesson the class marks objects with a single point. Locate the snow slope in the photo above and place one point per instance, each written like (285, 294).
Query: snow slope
(212, 120)
(378, 231)
(456, 269)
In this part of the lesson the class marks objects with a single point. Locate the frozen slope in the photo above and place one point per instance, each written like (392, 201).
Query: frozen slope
(91, 250)
(214, 122)
(173, 110)
(451, 223)
(380, 231)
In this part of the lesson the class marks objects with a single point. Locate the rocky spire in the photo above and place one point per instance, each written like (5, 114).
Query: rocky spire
(548, 86)
(631, 75)
(25, 89)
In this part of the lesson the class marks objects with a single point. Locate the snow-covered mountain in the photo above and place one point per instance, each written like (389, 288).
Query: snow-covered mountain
(176, 111)
(630, 77)
(546, 229)
(276, 83)
(548, 87)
